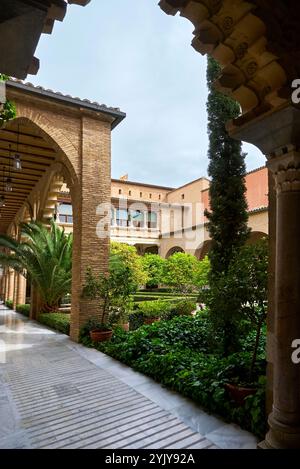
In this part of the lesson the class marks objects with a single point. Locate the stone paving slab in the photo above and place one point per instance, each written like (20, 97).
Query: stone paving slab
(57, 394)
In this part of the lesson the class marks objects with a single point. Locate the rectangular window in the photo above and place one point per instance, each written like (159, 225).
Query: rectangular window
(137, 218)
(141, 194)
(65, 213)
(122, 217)
(150, 196)
(152, 220)
(112, 217)
(129, 193)
(182, 196)
(120, 191)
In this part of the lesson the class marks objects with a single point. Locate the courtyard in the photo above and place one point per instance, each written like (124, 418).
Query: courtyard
(56, 394)
(215, 320)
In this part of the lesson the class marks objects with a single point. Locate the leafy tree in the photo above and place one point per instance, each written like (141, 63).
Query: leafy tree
(115, 287)
(44, 255)
(248, 282)
(112, 288)
(153, 266)
(181, 272)
(227, 218)
(202, 273)
(128, 255)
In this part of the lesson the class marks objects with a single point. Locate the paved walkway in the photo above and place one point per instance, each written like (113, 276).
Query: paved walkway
(58, 394)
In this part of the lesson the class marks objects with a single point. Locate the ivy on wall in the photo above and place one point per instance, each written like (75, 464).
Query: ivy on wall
(8, 109)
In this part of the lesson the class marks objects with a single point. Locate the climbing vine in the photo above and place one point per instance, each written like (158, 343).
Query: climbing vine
(7, 109)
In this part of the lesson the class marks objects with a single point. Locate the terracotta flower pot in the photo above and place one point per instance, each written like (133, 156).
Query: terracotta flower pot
(239, 393)
(125, 326)
(100, 336)
(150, 320)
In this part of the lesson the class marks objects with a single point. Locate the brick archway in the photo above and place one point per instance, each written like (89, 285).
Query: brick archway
(71, 139)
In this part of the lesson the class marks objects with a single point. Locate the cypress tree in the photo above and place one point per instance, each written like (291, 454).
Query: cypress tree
(228, 215)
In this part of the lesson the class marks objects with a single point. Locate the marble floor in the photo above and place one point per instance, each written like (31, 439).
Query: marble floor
(58, 394)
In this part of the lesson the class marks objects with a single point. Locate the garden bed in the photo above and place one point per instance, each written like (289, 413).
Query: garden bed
(177, 354)
(23, 309)
(57, 321)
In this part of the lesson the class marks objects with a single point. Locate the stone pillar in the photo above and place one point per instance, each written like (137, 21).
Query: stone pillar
(2, 285)
(271, 291)
(16, 275)
(90, 245)
(21, 290)
(284, 420)
(11, 284)
(6, 285)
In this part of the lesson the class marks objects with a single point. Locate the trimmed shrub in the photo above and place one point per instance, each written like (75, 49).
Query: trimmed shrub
(182, 308)
(23, 309)
(58, 321)
(9, 304)
(154, 309)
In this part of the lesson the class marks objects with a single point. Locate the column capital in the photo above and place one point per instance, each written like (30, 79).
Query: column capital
(286, 170)
(273, 133)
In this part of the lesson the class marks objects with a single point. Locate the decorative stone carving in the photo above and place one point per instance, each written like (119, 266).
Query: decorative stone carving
(259, 38)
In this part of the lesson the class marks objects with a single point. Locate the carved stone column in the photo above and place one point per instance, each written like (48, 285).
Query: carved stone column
(284, 420)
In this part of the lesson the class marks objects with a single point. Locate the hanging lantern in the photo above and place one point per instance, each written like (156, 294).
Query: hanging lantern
(2, 201)
(8, 185)
(17, 162)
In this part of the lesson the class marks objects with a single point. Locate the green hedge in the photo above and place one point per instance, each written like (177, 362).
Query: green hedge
(58, 321)
(23, 309)
(9, 304)
(177, 354)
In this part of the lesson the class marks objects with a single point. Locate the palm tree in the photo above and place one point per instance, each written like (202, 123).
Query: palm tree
(46, 256)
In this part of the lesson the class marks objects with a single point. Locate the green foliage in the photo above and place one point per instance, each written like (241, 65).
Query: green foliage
(136, 320)
(202, 273)
(176, 353)
(115, 288)
(58, 321)
(153, 266)
(46, 256)
(228, 214)
(23, 309)
(8, 111)
(154, 309)
(181, 308)
(245, 287)
(9, 304)
(180, 272)
(247, 280)
(131, 259)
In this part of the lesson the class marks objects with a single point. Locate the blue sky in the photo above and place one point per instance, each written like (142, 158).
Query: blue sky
(129, 54)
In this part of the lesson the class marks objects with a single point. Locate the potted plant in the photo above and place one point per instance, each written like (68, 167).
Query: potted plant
(98, 331)
(119, 316)
(113, 290)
